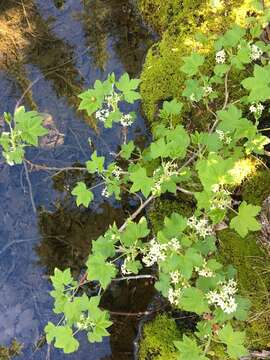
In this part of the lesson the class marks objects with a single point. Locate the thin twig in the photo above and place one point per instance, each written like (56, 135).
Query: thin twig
(226, 90)
(137, 212)
(29, 187)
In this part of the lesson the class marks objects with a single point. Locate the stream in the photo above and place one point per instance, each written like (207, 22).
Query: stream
(73, 43)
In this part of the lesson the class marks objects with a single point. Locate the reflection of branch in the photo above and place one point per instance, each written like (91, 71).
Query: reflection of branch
(30, 187)
(52, 168)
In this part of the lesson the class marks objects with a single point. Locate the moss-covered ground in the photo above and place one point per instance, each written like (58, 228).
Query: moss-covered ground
(179, 23)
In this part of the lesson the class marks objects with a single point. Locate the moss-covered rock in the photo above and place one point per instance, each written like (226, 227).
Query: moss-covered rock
(179, 22)
(253, 266)
(158, 337)
(165, 207)
(257, 188)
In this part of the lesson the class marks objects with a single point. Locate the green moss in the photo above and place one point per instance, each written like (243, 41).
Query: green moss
(161, 76)
(253, 267)
(257, 188)
(164, 207)
(158, 337)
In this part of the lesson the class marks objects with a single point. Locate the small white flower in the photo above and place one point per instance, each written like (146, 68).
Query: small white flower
(174, 296)
(224, 297)
(256, 52)
(221, 57)
(256, 109)
(192, 97)
(155, 253)
(105, 192)
(126, 120)
(200, 226)
(117, 171)
(175, 277)
(124, 269)
(207, 90)
(174, 244)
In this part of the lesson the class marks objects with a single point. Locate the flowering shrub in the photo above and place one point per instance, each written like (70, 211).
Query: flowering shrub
(207, 165)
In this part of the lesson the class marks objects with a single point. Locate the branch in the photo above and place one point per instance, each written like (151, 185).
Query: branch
(258, 355)
(137, 212)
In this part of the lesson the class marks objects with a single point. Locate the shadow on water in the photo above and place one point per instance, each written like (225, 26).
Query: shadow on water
(54, 49)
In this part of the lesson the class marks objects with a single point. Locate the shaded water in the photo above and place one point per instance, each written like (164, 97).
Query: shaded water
(70, 45)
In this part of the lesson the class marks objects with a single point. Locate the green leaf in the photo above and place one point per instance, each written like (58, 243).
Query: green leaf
(104, 246)
(93, 99)
(234, 341)
(245, 221)
(174, 225)
(128, 87)
(172, 107)
(214, 170)
(61, 278)
(73, 309)
(258, 85)
(193, 90)
(204, 329)
(134, 231)
(256, 144)
(96, 164)
(63, 337)
(192, 64)
(127, 150)
(101, 322)
(141, 182)
(221, 69)
(163, 284)
(232, 121)
(84, 196)
(98, 269)
(114, 117)
(193, 300)
(189, 350)
(30, 125)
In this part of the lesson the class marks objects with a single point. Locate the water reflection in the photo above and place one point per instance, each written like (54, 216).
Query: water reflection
(49, 49)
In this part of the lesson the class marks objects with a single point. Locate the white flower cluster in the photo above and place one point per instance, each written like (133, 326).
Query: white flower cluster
(164, 174)
(155, 253)
(105, 192)
(222, 198)
(84, 323)
(117, 171)
(204, 271)
(200, 226)
(256, 52)
(256, 109)
(124, 269)
(181, 283)
(207, 90)
(224, 297)
(174, 244)
(126, 120)
(158, 252)
(102, 115)
(175, 277)
(192, 97)
(221, 57)
(224, 137)
(174, 296)
(112, 100)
